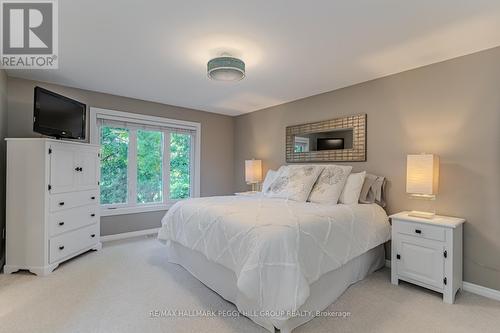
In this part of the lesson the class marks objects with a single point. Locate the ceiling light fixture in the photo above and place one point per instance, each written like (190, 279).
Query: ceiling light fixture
(226, 68)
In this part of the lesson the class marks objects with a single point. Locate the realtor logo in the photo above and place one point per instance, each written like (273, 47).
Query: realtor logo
(29, 34)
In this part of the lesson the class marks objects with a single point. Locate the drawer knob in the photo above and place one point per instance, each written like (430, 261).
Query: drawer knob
(92, 198)
(92, 215)
(418, 231)
(61, 247)
(61, 223)
(61, 203)
(93, 235)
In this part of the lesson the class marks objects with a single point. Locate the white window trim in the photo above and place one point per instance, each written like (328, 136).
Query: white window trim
(98, 113)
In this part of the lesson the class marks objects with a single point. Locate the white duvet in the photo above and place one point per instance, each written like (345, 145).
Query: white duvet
(276, 248)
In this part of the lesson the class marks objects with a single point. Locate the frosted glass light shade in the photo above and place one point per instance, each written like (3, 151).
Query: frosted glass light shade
(253, 171)
(422, 174)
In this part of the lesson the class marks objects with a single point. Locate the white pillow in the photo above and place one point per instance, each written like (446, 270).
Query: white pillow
(330, 184)
(352, 188)
(270, 176)
(294, 182)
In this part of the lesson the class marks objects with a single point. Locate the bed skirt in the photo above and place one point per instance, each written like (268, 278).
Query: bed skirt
(322, 292)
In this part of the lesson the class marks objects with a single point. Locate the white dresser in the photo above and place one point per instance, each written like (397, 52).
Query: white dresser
(428, 252)
(52, 211)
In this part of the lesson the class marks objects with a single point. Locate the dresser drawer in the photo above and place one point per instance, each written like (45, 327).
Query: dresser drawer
(59, 202)
(420, 230)
(69, 243)
(70, 219)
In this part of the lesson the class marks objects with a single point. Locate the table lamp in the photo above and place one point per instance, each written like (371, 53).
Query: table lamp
(253, 173)
(422, 179)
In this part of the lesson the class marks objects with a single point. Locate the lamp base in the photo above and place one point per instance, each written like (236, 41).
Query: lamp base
(424, 215)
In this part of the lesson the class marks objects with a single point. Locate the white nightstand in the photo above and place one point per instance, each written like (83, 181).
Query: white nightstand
(428, 253)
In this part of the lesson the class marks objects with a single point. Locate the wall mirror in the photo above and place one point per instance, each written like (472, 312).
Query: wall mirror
(335, 140)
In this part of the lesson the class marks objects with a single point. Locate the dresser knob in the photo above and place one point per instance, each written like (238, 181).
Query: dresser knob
(61, 223)
(418, 231)
(61, 203)
(92, 215)
(61, 247)
(92, 198)
(93, 235)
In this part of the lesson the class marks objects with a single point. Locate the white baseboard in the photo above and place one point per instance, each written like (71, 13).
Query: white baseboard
(125, 235)
(482, 291)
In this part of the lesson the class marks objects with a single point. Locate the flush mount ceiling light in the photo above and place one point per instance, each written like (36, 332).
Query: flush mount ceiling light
(226, 69)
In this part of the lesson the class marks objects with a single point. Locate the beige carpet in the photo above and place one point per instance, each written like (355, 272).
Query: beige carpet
(116, 289)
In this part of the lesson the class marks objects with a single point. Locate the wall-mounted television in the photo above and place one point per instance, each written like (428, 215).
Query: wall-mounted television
(58, 116)
(329, 143)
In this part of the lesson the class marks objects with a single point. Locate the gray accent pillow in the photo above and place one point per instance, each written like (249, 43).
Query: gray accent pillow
(373, 190)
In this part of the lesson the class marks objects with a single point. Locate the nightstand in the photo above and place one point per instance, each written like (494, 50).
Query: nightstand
(428, 253)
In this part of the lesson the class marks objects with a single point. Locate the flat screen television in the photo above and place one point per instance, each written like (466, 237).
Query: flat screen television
(58, 116)
(329, 143)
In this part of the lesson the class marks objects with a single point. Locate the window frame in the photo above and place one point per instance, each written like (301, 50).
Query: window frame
(131, 207)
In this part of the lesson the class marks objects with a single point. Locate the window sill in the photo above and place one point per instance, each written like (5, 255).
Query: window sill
(134, 210)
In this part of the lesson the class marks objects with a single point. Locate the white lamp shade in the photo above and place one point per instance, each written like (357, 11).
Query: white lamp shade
(253, 171)
(422, 174)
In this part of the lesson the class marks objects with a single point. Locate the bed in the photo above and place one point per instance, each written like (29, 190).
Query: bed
(279, 261)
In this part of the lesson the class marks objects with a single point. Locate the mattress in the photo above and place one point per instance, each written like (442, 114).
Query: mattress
(276, 248)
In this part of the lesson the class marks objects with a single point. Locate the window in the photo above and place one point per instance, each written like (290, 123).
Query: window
(114, 165)
(147, 163)
(301, 144)
(150, 166)
(180, 175)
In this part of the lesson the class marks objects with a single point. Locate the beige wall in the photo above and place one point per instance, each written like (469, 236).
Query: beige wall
(216, 140)
(3, 134)
(450, 108)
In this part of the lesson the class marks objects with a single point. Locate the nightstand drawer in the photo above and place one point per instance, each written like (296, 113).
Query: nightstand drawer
(420, 230)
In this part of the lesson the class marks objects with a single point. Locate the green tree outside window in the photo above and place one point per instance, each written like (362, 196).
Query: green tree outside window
(115, 162)
(114, 165)
(180, 155)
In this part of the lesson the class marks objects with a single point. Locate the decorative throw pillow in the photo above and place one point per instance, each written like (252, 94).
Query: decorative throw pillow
(270, 176)
(329, 185)
(352, 188)
(373, 190)
(294, 182)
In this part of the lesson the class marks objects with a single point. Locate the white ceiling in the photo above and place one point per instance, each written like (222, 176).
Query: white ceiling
(158, 50)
